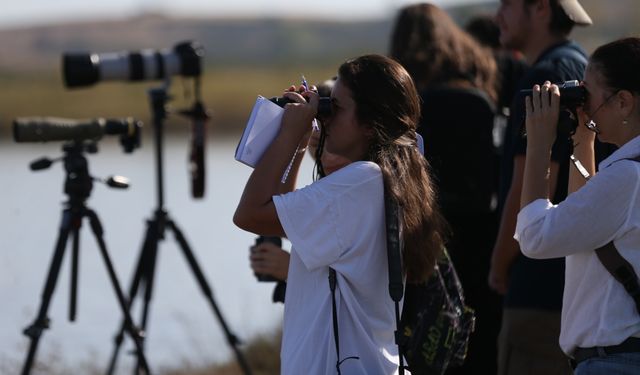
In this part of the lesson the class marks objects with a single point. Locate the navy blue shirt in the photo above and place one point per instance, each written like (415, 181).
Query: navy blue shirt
(535, 283)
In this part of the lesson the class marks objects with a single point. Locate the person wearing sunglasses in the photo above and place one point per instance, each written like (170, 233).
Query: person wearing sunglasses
(600, 326)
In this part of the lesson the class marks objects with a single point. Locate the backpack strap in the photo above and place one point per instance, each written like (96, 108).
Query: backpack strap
(396, 288)
(333, 281)
(621, 270)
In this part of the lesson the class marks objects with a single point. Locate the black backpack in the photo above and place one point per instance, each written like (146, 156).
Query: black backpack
(433, 331)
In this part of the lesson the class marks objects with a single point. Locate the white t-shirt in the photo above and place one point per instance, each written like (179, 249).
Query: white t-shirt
(338, 222)
(596, 310)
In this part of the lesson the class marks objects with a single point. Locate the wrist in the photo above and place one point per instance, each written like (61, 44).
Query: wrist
(583, 142)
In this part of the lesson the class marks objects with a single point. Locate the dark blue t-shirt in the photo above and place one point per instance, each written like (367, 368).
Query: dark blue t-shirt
(535, 283)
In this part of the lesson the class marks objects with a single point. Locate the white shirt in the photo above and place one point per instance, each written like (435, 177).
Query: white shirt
(338, 221)
(596, 310)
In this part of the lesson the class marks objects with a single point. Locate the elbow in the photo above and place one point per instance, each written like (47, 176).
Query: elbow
(241, 219)
(534, 251)
(247, 220)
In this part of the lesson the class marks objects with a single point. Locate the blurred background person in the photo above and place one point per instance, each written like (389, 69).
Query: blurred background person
(456, 78)
(600, 319)
(510, 62)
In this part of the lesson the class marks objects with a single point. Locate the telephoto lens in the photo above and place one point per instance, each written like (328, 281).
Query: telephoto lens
(85, 69)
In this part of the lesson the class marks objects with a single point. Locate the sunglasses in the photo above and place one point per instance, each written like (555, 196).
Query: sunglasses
(591, 125)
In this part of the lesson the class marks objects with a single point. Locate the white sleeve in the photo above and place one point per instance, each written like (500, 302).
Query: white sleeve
(325, 220)
(586, 220)
(309, 219)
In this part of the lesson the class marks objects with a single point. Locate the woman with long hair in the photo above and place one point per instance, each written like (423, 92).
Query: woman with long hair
(436, 51)
(338, 221)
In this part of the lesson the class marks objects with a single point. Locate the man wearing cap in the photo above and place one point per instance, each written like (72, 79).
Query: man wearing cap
(528, 341)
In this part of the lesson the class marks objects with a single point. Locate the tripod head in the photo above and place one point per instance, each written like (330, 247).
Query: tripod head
(78, 182)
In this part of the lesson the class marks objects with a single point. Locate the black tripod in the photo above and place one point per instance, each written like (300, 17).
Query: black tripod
(156, 227)
(78, 185)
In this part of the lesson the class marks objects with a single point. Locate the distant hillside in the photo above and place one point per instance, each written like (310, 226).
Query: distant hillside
(244, 57)
(259, 41)
(226, 41)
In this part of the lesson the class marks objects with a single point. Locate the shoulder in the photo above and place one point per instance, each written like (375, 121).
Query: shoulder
(621, 175)
(564, 62)
(356, 172)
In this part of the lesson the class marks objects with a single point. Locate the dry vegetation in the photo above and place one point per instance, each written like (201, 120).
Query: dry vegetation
(262, 354)
(228, 92)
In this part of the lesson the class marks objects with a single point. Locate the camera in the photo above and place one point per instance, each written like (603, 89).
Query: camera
(85, 69)
(324, 105)
(572, 95)
(44, 129)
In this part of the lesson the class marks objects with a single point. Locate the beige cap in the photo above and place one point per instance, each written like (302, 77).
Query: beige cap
(575, 12)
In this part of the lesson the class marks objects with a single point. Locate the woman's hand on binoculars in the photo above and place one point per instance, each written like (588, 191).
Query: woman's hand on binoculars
(583, 135)
(299, 115)
(543, 108)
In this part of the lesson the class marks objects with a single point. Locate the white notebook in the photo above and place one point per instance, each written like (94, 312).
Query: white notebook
(260, 131)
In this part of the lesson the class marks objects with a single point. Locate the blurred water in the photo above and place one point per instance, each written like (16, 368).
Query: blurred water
(182, 327)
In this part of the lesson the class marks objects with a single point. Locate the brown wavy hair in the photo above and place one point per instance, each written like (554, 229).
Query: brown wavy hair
(387, 103)
(436, 51)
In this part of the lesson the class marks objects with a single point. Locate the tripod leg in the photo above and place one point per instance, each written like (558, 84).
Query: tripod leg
(34, 331)
(75, 253)
(155, 230)
(232, 339)
(131, 329)
(149, 244)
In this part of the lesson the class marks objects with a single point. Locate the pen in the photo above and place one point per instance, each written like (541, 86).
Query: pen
(306, 87)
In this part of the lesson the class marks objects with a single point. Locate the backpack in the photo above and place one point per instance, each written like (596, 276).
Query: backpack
(433, 332)
(436, 324)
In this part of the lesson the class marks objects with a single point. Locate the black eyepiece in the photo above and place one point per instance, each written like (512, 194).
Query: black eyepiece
(80, 69)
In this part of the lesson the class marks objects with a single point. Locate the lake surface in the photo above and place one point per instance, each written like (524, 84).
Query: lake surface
(182, 327)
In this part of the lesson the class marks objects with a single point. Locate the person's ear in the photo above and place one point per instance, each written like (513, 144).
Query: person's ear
(627, 103)
(542, 9)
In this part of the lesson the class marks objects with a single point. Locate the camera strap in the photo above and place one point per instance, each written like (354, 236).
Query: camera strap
(333, 281)
(396, 287)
